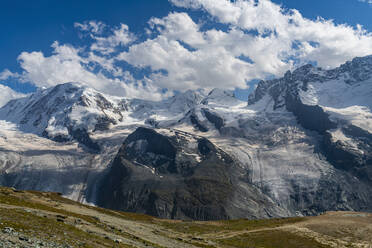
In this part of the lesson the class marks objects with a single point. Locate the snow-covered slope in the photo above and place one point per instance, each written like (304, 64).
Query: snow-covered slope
(336, 103)
(344, 93)
(63, 113)
(303, 142)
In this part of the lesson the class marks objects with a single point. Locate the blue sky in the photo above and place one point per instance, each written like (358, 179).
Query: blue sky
(31, 27)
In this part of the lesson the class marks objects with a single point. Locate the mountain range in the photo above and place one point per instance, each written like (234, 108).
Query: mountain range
(301, 145)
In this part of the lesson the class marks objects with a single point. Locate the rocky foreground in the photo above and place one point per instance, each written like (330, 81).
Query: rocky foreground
(35, 219)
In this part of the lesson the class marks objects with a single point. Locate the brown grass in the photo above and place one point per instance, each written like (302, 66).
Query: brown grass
(271, 239)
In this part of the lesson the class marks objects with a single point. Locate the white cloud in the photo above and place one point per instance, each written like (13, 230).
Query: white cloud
(178, 26)
(120, 37)
(366, 1)
(192, 59)
(66, 65)
(212, 58)
(334, 43)
(7, 94)
(106, 40)
(204, 68)
(91, 26)
(4, 75)
(258, 39)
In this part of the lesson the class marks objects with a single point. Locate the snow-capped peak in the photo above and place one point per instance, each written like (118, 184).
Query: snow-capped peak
(184, 101)
(58, 112)
(344, 93)
(221, 97)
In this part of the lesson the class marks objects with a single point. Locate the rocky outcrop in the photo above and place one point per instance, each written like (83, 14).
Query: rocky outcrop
(197, 124)
(355, 159)
(311, 117)
(82, 136)
(214, 118)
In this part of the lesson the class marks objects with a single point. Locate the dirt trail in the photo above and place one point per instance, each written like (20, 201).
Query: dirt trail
(335, 221)
(151, 233)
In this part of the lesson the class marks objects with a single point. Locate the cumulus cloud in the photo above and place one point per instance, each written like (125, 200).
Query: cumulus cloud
(106, 44)
(120, 37)
(261, 39)
(178, 26)
(292, 36)
(208, 67)
(7, 94)
(66, 65)
(188, 57)
(253, 39)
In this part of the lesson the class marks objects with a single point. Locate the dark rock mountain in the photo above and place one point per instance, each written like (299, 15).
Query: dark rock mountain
(182, 176)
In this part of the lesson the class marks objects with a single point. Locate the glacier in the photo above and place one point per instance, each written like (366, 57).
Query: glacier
(302, 143)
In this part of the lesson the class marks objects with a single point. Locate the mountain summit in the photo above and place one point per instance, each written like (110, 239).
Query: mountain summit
(302, 145)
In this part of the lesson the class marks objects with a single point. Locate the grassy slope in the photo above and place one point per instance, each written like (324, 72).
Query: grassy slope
(52, 217)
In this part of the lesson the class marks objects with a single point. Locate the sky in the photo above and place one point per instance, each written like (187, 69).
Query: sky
(153, 49)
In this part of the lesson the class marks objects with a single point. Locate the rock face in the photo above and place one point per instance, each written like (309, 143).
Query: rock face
(180, 176)
(323, 101)
(301, 146)
(342, 156)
